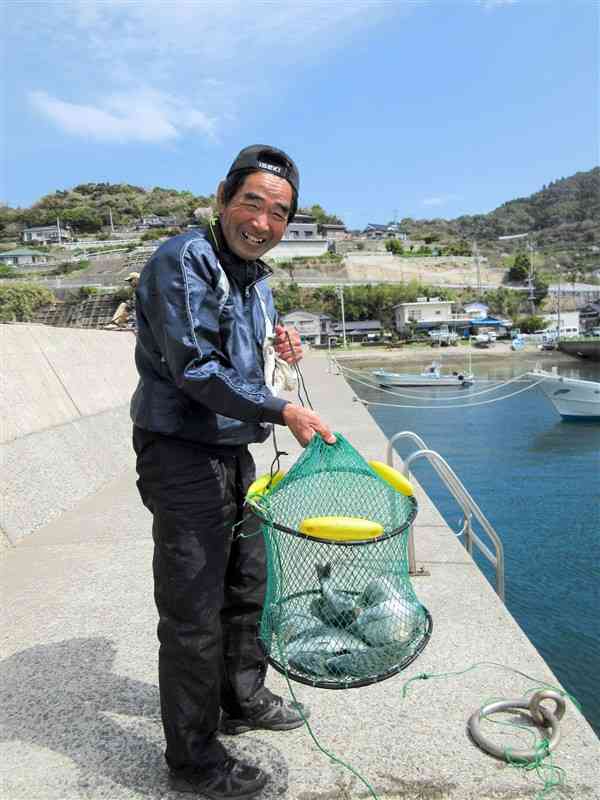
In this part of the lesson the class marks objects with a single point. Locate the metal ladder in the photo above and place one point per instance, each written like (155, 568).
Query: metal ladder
(469, 507)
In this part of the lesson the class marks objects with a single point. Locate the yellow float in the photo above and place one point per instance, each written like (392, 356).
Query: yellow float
(260, 485)
(341, 529)
(393, 477)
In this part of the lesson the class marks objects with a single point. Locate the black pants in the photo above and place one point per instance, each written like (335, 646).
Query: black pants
(209, 588)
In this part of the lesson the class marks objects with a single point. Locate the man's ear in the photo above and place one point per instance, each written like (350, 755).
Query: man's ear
(220, 200)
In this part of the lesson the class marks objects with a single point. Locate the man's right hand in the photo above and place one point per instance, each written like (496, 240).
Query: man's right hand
(304, 423)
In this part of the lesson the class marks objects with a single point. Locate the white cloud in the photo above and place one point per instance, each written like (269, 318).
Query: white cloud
(142, 116)
(211, 60)
(438, 200)
(489, 5)
(433, 201)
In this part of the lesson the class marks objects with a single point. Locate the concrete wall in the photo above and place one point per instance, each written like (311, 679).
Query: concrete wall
(299, 248)
(65, 427)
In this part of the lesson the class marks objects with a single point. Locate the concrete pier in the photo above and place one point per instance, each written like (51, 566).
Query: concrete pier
(80, 704)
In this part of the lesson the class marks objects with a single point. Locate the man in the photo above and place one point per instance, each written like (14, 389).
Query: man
(121, 316)
(204, 313)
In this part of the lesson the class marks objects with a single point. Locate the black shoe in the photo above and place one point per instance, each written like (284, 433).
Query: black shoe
(267, 712)
(233, 779)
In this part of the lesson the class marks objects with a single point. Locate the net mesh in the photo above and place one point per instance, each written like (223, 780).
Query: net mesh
(338, 613)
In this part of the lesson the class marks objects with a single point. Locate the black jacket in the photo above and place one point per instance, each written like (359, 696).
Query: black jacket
(201, 329)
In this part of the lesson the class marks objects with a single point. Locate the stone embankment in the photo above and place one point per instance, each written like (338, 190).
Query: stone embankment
(451, 271)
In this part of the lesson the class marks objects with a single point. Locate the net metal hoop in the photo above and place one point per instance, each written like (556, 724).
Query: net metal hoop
(339, 542)
(356, 683)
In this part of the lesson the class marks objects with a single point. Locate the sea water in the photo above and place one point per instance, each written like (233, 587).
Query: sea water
(537, 479)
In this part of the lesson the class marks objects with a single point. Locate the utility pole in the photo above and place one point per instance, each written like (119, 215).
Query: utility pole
(58, 230)
(112, 227)
(340, 293)
(476, 254)
(558, 302)
(531, 294)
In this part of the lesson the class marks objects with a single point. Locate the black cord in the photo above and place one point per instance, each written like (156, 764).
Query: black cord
(275, 464)
(300, 376)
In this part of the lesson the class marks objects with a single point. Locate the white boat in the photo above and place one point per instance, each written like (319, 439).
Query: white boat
(573, 398)
(431, 376)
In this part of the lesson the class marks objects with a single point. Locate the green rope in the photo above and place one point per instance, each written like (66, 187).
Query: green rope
(329, 755)
(550, 774)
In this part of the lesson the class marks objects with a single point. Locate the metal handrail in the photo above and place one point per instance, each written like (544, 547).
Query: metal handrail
(464, 500)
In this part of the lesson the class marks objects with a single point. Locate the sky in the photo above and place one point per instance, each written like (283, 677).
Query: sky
(390, 108)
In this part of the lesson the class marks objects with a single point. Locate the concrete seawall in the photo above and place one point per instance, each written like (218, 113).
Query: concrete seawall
(65, 430)
(81, 710)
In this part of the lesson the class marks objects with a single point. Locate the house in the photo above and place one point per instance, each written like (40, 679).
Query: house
(313, 328)
(332, 232)
(589, 316)
(23, 258)
(360, 330)
(46, 234)
(426, 312)
(569, 323)
(501, 327)
(390, 231)
(302, 226)
(476, 310)
(154, 221)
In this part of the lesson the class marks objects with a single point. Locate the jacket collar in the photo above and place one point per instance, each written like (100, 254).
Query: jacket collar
(245, 273)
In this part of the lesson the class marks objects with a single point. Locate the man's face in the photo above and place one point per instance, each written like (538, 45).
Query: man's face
(257, 215)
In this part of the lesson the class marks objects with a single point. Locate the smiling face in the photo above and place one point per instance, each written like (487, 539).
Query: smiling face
(256, 217)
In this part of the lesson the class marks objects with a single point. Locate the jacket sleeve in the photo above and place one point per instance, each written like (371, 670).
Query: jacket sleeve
(186, 324)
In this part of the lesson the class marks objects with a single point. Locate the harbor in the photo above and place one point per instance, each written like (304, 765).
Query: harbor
(79, 649)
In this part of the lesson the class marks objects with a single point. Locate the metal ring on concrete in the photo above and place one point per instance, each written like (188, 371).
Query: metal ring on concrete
(546, 694)
(549, 721)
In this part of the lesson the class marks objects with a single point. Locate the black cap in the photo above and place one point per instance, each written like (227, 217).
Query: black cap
(268, 159)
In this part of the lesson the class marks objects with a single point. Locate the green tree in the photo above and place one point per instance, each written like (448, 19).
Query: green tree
(519, 272)
(540, 289)
(19, 301)
(394, 246)
(83, 219)
(531, 323)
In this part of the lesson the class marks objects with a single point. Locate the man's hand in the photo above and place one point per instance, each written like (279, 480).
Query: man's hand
(304, 423)
(290, 353)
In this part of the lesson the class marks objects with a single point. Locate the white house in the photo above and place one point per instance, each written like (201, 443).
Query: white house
(569, 323)
(46, 234)
(476, 310)
(302, 226)
(313, 328)
(422, 310)
(333, 232)
(390, 231)
(23, 258)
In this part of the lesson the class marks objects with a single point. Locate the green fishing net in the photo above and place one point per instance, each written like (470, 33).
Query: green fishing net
(338, 612)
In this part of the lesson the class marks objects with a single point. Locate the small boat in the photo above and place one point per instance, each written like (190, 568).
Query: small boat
(431, 376)
(573, 398)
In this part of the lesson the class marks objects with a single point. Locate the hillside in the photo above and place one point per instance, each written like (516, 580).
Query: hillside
(563, 218)
(86, 207)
